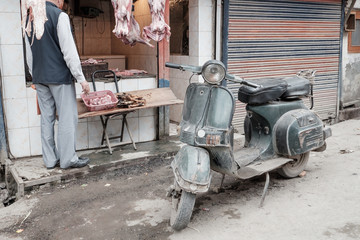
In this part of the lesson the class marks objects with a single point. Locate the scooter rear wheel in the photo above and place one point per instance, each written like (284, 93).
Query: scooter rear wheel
(294, 168)
(181, 210)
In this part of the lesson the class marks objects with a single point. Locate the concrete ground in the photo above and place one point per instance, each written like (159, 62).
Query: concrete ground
(30, 172)
(129, 202)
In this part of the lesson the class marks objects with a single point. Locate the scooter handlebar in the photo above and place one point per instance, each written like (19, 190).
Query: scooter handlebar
(194, 69)
(173, 65)
(236, 79)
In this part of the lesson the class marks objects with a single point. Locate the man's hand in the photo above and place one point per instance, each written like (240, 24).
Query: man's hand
(85, 87)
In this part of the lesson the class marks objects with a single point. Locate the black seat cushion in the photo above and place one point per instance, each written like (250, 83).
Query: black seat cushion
(297, 87)
(271, 89)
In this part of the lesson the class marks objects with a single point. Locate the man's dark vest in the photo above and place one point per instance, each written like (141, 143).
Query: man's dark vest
(49, 66)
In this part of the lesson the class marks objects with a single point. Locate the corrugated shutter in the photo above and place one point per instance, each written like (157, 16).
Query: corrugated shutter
(278, 38)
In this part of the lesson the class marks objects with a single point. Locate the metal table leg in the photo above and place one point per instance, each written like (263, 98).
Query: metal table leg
(104, 124)
(130, 135)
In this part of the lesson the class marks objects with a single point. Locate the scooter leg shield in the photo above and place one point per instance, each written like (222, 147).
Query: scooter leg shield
(191, 167)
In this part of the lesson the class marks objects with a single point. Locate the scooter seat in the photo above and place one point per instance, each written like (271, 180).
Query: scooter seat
(271, 89)
(297, 87)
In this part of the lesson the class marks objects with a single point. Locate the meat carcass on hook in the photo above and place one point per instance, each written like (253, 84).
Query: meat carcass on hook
(158, 29)
(122, 11)
(134, 35)
(126, 27)
(37, 15)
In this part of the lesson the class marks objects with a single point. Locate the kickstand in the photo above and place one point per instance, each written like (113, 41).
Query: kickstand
(265, 189)
(222, 181)
(217, 190)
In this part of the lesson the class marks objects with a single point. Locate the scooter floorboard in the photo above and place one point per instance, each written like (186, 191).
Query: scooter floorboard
(260, 167)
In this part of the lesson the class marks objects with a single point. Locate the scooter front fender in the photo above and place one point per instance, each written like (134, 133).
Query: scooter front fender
(191, 167)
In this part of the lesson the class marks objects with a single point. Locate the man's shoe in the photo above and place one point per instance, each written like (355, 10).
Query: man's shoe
(81, 162)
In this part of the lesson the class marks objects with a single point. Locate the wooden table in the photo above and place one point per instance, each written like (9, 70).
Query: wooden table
(156, 97)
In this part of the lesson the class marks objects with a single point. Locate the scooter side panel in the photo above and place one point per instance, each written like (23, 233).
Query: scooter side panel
(298, 131)
(191, 167)
(261, 121)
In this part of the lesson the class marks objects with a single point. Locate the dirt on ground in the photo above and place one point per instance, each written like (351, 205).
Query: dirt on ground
(131, 203)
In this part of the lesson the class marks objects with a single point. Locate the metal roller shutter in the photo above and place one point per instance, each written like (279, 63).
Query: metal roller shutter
(278, 38)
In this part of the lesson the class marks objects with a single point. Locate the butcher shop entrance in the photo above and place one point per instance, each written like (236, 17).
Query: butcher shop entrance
(130, 38)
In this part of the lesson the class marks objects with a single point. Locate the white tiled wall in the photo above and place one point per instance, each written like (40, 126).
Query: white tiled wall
(13, 81)
(22, 121)
(35, 140)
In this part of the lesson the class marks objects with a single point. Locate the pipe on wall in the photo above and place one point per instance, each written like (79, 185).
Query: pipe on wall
(3, 145)
(339, 93)
(218, 29)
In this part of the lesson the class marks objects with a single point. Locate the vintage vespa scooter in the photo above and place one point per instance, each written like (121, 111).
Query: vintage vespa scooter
(280, 132)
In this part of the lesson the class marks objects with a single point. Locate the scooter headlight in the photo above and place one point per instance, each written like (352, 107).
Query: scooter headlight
(213, 71)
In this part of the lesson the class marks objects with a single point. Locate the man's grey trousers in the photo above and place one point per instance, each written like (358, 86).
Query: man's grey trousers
(60, 98)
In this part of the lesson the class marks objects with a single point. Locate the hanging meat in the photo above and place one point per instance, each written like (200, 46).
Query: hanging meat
(158, 29)
(37, 15)
(126, 27)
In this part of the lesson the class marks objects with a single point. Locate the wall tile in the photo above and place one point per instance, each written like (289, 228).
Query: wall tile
(111, 86)
(14, 87)
(129, 85)
(83, 120)
(132, 115)
(206, 19)
(35, 141)
(194, 19)
(194, 44)
(147, 112)
(114, 129)
(205, 44)
(94, 134)
(193, 3)
(204, 3)
(16, 113)
(147, 83)
(82, 139)
(134, 128)
(204, 59)
(176, 113)
(10, 29)
(9, 6)
(199, 3)
(19, 142)
(12, 55)
(34, 119)
(93, 119)
(100, 86)
(30, 93)
(147, 128)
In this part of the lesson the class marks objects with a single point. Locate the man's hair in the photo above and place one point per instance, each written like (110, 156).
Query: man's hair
(66, 1)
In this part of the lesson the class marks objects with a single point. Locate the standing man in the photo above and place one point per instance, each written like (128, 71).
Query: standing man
(53, 63)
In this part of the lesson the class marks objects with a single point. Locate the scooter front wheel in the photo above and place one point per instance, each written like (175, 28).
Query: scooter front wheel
(181, 210)
(294, 168)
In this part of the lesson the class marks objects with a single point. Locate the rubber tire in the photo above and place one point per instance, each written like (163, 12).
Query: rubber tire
(294, 168)
(181, 210)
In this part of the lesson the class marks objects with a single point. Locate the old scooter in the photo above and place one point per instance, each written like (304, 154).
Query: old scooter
(280, 131)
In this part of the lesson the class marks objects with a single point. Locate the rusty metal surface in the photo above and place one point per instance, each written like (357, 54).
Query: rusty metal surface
(280, 38)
